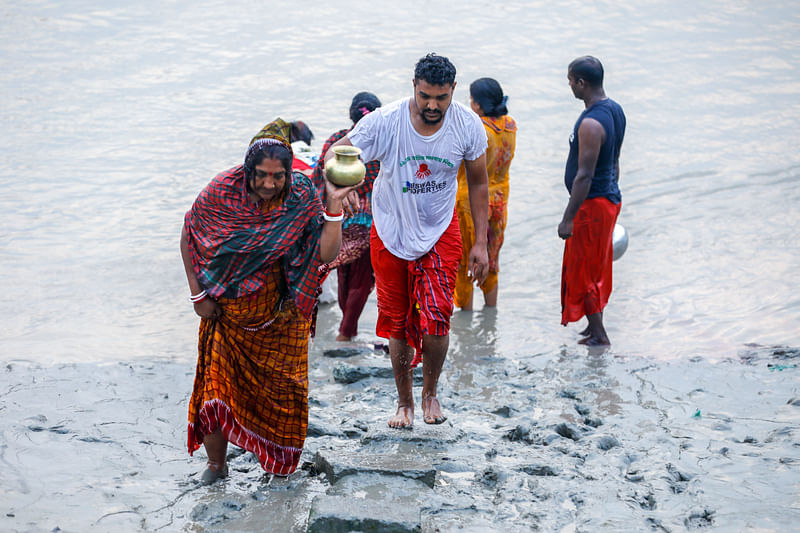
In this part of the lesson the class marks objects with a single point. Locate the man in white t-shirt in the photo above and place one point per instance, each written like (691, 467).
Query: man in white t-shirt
(415, 244)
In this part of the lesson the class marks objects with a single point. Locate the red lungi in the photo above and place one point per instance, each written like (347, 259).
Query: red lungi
(415, 298)
(588, 256)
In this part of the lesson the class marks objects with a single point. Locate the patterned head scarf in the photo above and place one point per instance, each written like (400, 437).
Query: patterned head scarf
(231, 243)
(276, 132)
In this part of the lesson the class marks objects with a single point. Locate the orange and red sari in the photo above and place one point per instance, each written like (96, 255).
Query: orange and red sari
(252, 377)
(251, 381)
(502, 135)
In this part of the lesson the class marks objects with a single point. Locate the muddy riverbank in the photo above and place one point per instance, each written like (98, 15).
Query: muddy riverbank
(117, 115)
(570, 441)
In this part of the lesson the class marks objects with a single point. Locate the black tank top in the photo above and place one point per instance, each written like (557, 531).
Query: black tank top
(604, 182)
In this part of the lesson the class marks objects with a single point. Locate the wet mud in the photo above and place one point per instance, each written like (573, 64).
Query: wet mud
(573, 441)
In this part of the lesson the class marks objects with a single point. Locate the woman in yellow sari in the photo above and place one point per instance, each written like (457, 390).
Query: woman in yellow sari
(487, 100)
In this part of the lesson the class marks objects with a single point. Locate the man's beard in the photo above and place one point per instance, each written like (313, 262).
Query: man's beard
(430, 122)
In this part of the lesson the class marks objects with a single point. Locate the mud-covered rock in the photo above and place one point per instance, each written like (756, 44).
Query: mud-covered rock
(606, 442)
(522, 433)
(347, 374)
(371, 502)
(505, 411)
(345, 352)
(429, 435)
(593, 422)
(569, 431)
(540, 470)
(582, 409)
(337, 465)
(318, 428)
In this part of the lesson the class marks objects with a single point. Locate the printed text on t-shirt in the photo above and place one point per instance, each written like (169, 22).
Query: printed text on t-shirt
(424, 157)
(428, 186)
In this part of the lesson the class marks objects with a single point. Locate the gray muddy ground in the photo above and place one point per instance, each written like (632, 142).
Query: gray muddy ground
(569, 441)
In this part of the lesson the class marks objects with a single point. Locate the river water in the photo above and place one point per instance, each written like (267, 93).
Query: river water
(115, 115)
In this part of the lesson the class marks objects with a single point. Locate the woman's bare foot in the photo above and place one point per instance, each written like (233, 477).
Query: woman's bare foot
(432, 411)
(404, 418)
(585, 332)
(342, 338)
(213, 473)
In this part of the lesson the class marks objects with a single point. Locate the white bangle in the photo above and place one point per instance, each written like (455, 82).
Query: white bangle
(199, 297)
(333, 218)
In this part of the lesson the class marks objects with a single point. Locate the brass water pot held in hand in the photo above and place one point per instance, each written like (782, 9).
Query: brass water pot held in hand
(345, 168)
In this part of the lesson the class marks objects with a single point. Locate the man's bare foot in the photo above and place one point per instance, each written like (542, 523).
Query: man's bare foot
(594, 341)
(432, 411)
(404, 418)
(342, 338)
(585, 332)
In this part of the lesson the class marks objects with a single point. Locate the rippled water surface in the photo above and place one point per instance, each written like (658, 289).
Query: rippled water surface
(115, 115)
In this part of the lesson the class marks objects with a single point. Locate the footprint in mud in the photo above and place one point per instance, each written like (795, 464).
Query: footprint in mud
(634, 476)
(781, 434)
(216, 512)
(678, 481)
(645, 501)
(491, 477)
(58, 428)
(698, 519)
(656, 524)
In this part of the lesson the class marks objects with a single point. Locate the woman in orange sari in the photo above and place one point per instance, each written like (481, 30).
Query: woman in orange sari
(488, 101)
(252, 244)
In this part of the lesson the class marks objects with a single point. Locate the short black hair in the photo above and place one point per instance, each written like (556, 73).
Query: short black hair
(589, 69)
(488, 94)
(435, 69)
(363, 103)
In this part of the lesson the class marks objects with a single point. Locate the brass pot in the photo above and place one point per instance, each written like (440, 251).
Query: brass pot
(345, 168)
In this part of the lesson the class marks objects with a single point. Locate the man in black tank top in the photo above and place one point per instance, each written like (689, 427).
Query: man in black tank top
(592, 179)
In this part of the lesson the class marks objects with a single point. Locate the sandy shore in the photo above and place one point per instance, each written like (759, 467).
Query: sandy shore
(572, 441)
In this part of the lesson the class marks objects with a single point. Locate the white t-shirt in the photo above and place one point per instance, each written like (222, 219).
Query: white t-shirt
(414, 195)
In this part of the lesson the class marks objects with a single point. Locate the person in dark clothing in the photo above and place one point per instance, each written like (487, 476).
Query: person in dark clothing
(592, 179)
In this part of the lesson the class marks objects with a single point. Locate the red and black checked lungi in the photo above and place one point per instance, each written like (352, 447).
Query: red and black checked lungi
(588, 257)
(415, 298)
